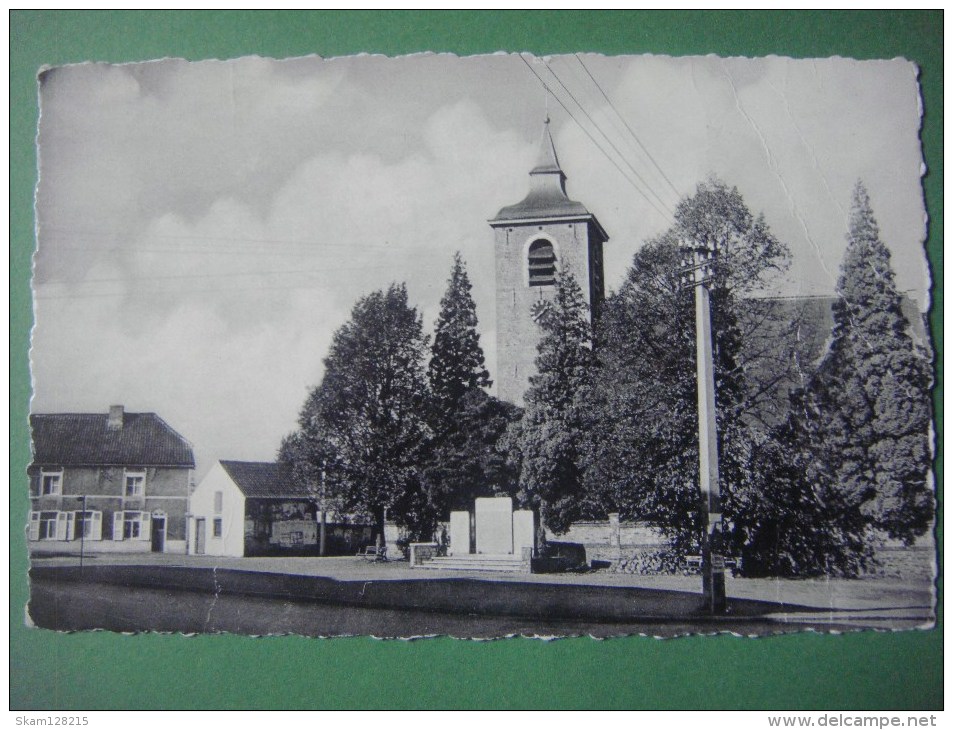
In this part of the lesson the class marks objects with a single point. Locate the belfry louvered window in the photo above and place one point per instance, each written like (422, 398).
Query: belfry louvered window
(542, 263)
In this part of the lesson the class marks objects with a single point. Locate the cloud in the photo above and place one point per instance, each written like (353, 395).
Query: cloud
(231, 311)
(206, 227)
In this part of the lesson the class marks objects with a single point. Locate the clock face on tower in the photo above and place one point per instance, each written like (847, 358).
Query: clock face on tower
(540, 309)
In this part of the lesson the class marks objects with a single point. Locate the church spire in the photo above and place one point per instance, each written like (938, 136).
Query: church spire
(547, 163)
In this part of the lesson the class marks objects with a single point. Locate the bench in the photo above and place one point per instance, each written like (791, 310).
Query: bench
(695, 561)
(373, 552)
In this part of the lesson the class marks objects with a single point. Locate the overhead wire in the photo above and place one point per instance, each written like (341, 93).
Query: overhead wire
(548, 88)
(606, 137)
(626, 124)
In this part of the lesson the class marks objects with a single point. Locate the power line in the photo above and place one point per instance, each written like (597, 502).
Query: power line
(215, 251)
(228, 239)
(593, 140)
(611, 144)
(229, 290)
(227, 275)
(631, 131)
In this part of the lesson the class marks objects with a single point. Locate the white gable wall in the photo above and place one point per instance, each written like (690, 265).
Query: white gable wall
(232, 514)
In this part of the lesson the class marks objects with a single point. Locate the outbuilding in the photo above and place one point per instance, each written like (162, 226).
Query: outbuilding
(254, 508)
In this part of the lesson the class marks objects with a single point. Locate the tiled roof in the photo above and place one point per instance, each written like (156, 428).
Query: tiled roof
(545, 203)
(264, 479)
(84, 439)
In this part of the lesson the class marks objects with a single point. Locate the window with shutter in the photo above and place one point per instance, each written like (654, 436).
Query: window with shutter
(135, 484)
(51, 482)
(87, 525)
(131, 525)
(542, 263)
(47, 526)
(62, 525)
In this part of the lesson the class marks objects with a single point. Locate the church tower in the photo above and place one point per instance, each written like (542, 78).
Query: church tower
(543, 232)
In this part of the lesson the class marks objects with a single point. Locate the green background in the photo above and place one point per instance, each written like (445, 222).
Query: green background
(107, 671)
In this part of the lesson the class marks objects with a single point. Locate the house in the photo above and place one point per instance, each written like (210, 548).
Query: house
(248, 508)
(116, 482)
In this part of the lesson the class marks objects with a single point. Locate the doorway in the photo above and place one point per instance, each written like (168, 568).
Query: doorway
(200, 536)
(158, 533)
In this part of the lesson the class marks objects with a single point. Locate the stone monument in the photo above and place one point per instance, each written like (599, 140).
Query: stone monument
(494, 525)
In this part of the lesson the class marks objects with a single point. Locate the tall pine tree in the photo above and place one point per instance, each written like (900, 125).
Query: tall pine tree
(456, 363)
(870, 399)
(463, 461)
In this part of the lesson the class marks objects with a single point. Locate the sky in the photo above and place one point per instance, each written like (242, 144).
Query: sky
(203, 228)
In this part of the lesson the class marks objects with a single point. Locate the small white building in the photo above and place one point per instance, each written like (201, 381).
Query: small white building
(246, 508)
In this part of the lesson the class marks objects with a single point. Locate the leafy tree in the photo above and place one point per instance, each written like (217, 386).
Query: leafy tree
(797, 522)
(363, 424)
(641, 454)
(545, 442)
(871, 395)
(456, 363)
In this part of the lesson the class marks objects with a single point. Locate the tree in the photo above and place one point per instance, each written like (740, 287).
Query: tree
(462, 461)
(545, 442)
(797, 522)
(870, 399)
(641, 454)
(465, 460)
(363, 424)
(456, 363)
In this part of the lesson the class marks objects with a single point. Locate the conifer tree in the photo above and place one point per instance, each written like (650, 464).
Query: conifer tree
(871, 396)
(456, 363)
(546, 442)
(463, 461)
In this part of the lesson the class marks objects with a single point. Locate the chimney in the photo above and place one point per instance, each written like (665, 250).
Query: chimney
(115, 418)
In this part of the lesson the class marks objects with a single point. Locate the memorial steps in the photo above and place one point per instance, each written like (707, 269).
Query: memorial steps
(506, 563)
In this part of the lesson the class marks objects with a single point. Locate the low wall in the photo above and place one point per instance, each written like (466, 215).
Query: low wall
(92, 547)
(606, 542)
(421, 552)
(464, 595)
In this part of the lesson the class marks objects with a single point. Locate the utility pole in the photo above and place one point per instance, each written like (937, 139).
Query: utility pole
(322, 539)
(82, 535)
(699, 262)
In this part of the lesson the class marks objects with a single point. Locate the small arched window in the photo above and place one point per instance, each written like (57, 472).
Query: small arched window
(542, 263)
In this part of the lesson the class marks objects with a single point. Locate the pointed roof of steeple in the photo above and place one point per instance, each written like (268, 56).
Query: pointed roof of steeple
(547, 161)
(547, 197)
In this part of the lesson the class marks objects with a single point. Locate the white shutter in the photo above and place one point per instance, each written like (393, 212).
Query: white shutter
(145, 529)
(62, 522)
(34, 525)
(71, 524)
(96, 529)
(117, 525)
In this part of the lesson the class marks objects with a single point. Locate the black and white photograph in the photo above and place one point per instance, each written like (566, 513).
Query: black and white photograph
(487, 346)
